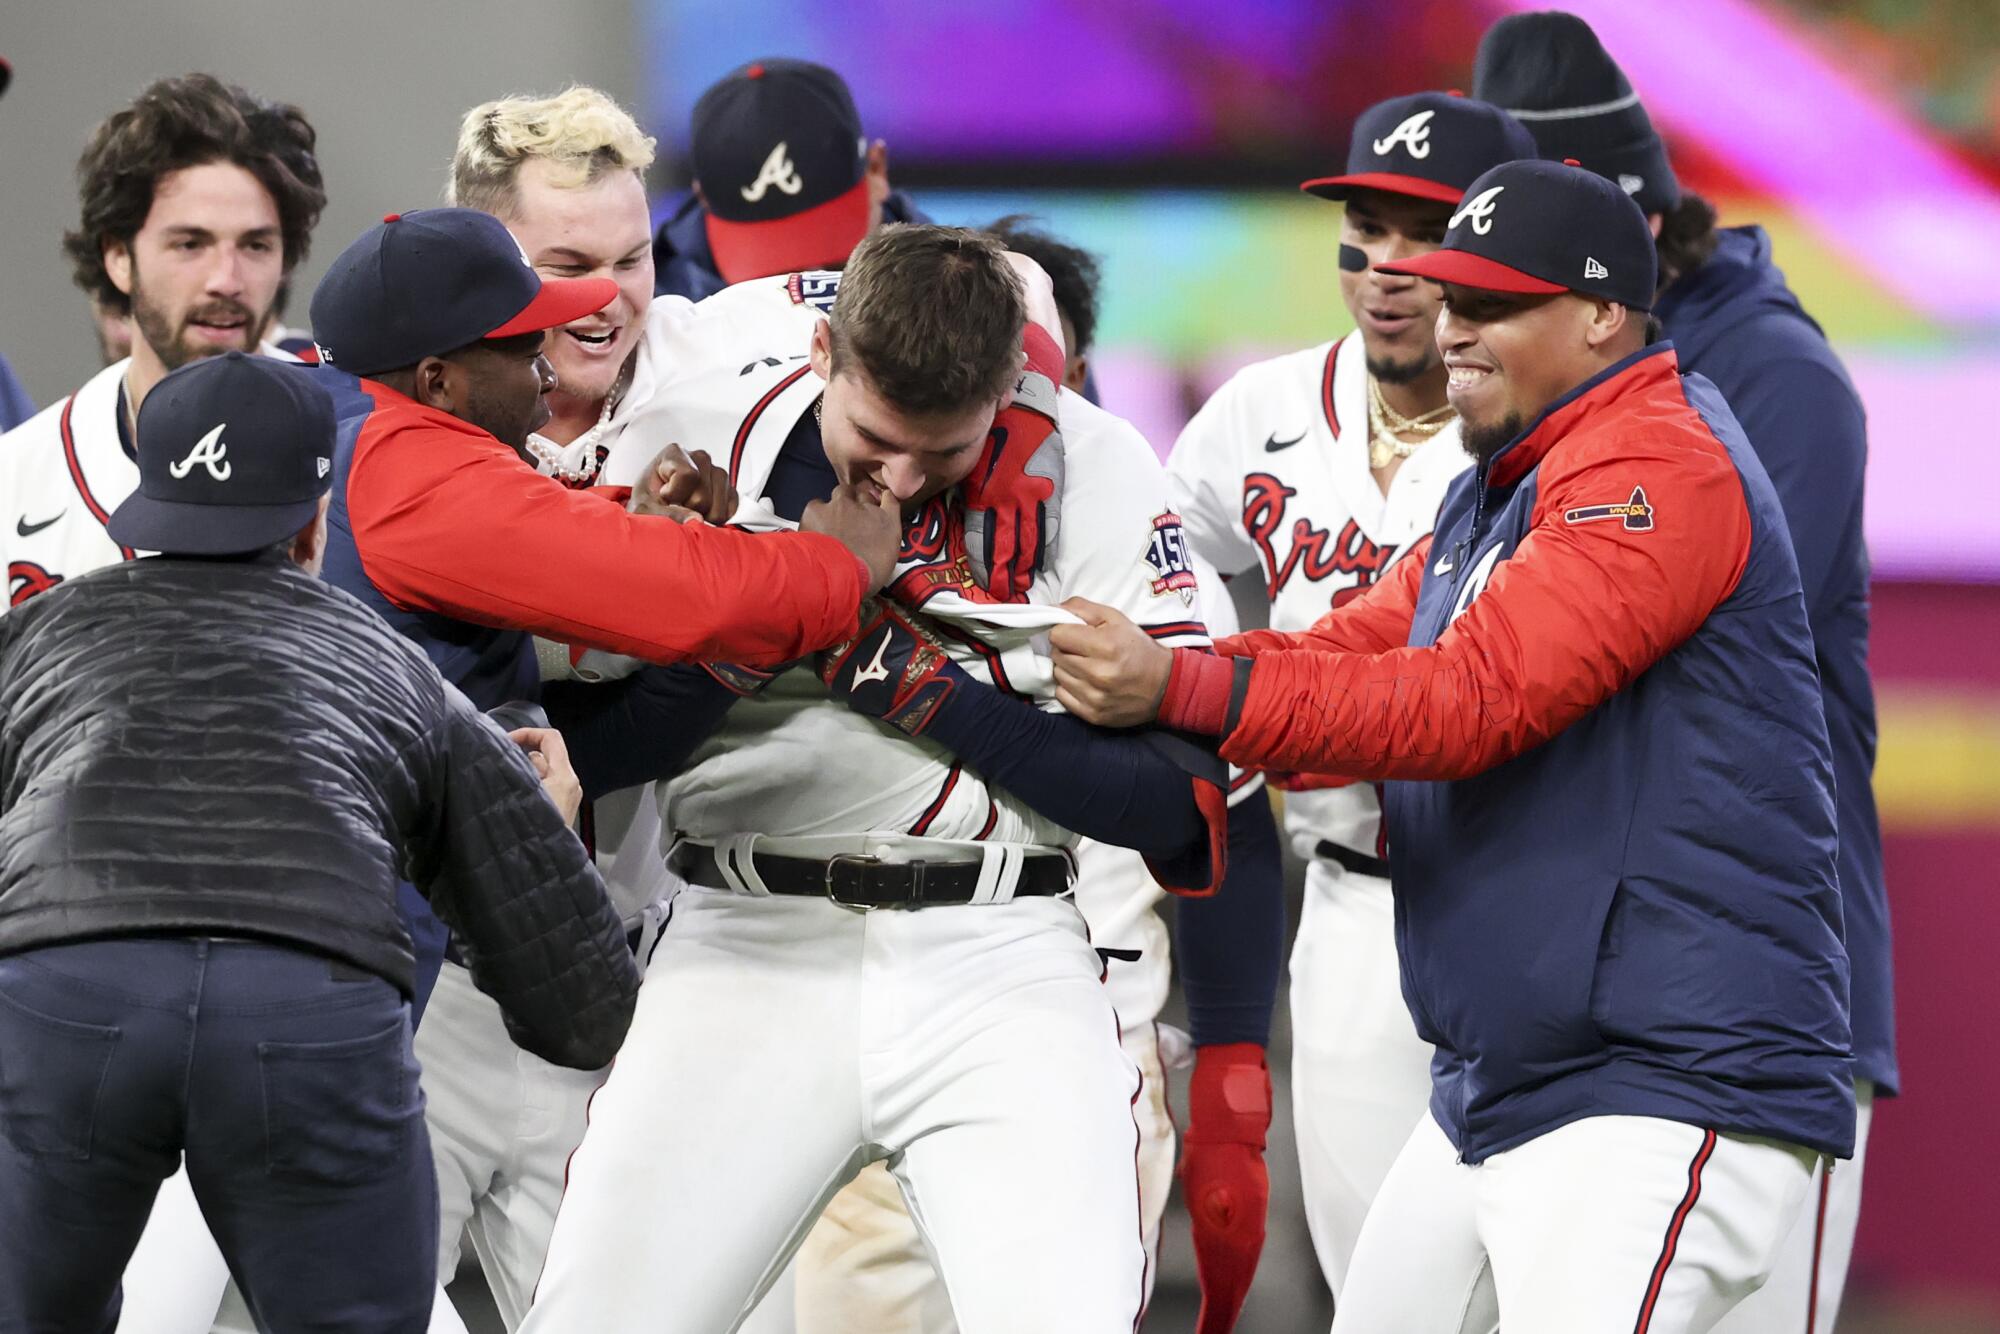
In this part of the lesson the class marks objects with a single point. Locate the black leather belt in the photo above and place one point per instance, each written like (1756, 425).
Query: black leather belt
(856, 881)
(1349, 860)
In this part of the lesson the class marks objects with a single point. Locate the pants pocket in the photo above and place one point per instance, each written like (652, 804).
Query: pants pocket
(338, 1113)
(52, 1074)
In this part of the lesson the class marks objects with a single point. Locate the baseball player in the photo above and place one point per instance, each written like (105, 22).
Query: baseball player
(1733, 319)
(962, 1034)
(863, 1267)
(1611, 816)
(1313, 473)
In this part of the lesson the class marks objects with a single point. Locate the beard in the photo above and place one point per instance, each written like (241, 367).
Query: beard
(166, 334)
(1484, 440)
(1387, 370)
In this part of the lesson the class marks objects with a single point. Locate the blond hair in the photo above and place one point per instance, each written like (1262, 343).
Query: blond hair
(580, 131)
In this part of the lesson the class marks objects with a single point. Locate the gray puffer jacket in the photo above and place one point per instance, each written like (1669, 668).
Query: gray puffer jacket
(234, 747)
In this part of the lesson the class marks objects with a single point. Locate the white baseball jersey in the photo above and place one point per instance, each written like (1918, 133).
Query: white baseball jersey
(62, 472)
(1272, 476)
(794, 762)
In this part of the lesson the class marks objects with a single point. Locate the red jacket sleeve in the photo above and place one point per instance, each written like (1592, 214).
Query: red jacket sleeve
(449, 520)
(1377, 620)
(1583, 606)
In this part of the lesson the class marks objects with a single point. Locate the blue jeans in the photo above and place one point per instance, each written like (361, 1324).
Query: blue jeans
(288, 1081)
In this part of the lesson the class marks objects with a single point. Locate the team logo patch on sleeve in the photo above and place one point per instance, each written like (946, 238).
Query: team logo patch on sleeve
(1637, 513)
(1167, 554)
(816, 289)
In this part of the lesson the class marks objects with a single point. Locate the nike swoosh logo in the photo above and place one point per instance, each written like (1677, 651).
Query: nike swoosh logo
(26, 529)
(1272, 444)
(1445, 566)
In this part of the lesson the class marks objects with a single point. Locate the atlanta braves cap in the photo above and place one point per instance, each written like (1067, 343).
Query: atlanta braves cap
(1550, 70)
(234, 453)
(434, 280)
(1545, 227)
(1431, 145)
(782, 162)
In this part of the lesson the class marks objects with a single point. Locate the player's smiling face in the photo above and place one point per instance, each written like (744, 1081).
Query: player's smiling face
(1395, 315)
(1508, 355)
(203, 270)
(868, 439)
(600, 230)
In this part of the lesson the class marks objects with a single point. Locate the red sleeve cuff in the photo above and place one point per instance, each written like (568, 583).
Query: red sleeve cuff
(1197, 698)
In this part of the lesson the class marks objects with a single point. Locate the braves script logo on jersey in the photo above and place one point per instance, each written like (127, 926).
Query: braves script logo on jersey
(1315, 552)
(777, 170)
(25, 579)
(1480, 209)
(816, 289)
(1413, 134)
(1637, 512)
(210, 453)
(1167, 553)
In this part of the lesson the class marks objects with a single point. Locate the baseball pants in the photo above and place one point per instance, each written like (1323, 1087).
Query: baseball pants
(863, 1268)
(1611, 1223)
(1361, 1077)
(503, 1123)
(781, 1044)
(1803, 1296)
(286, 1079)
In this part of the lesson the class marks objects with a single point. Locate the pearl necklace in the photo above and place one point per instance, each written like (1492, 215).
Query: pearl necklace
(1385, 424)
(589, 454)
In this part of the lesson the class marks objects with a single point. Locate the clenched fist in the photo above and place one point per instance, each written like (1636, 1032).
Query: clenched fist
(867, 520)
(684, 486)
(1108, 670)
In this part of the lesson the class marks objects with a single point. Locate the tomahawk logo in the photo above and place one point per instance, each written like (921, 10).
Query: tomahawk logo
(777, 170)
(1413, 134)
(1592, 269)
(1480, 209)
(875, 671)
(210, 453)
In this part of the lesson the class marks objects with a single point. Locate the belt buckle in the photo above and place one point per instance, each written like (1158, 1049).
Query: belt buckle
(834, 863)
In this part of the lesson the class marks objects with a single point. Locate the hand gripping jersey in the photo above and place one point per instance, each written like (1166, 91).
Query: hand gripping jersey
(62, 473)
(1265, 482)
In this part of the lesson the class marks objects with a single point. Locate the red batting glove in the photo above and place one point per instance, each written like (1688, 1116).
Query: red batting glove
(1012, 497)
(1223, 1179)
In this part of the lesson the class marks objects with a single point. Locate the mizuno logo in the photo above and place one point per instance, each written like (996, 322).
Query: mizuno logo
(1592, 269)
(1272, 444)
(1480, 209)
(1414, 134)
(210, 453)
(875, 671)
(777, 170)
(26, 529)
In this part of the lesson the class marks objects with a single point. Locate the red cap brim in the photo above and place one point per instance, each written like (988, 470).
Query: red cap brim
(823, 235)
(560, 301)
(1338, 187)
(1470, 270)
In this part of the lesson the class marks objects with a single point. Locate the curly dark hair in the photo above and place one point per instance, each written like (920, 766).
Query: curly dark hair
(185, 122)
(1074, 272)
(1687, 237)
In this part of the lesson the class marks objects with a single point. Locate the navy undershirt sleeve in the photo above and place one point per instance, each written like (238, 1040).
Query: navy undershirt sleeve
(1231, 947)
(1116, 787)
(623, 733)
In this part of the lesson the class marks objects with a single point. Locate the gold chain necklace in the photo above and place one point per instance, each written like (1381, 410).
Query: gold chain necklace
(1385, 424)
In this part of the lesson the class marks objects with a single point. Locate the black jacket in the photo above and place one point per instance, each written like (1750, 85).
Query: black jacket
(235, 747)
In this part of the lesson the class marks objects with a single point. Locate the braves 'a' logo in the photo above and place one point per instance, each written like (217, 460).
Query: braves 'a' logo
(1315, 552)
(777, 170)
(25, 579)
(1479, 208)
(1414, 134)
(211, 453)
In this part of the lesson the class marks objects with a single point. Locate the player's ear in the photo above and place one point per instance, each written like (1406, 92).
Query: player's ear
(436, 384)
(117, 256)
(1608, 319)
(820, 354)
(1076, 372)
(878, 175)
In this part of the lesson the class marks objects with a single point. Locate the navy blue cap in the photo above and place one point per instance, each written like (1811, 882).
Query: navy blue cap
(1430, 145)
(780, 154)
(1545, 227)
(424, 283)
(234, 453)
